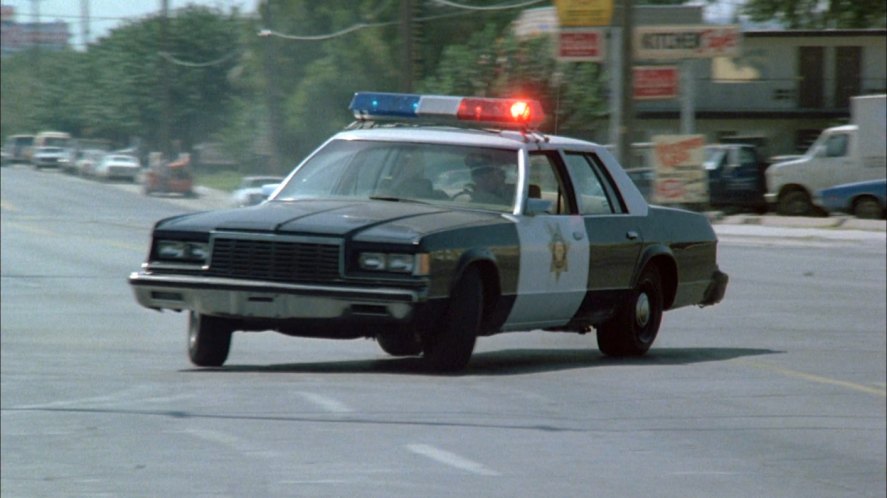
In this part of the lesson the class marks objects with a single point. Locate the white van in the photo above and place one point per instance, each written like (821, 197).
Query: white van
(842, 154)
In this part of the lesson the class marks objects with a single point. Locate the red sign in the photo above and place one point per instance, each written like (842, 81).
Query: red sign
(655, 82)
(581, 45)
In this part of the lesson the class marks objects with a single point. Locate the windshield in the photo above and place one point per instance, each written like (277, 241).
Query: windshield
(57, 142)
(713, 157)
(432, 173)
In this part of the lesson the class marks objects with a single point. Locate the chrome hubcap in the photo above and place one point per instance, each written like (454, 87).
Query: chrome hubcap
(642, 310)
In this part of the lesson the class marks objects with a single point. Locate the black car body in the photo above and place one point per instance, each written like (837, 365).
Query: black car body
(360, 242)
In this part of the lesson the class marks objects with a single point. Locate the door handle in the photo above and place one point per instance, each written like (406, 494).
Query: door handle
(578, 235)
(631, 235)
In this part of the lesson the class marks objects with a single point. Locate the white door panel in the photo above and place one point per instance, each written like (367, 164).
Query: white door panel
(553, 275)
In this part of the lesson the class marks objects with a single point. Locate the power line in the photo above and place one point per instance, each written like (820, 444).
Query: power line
(172, 59)
(361, 25)
(489, 7)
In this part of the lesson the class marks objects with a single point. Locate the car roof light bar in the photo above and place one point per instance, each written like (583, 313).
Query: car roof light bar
(505, 113)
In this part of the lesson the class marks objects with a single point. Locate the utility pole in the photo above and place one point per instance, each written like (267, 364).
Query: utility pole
(84, 23)
(272, 91)
(165, 145)
(36, 38)
(626, 102)
(406, 36)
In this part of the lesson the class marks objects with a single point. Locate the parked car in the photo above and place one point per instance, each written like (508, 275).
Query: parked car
(867, 199)
(736, 177)
(118, 166)
(545, 232)
(48, 156)
(87, 161)
(735, 171)
(18, 149)
(250, 192)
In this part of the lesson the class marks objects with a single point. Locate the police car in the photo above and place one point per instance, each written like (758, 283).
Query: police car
(429, 222)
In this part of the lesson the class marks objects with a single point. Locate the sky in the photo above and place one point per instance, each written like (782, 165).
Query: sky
(106, 14)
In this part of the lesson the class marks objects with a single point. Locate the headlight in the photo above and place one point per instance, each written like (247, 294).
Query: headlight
(417, 264)
(185, 251)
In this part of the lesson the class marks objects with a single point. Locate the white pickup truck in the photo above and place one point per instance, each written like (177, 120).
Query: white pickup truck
(842, 154)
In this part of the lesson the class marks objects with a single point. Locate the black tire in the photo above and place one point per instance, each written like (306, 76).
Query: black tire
(868, 208)
(400, 344)
(209, 340)
(795, 203)
(449, 347)
(634, 328)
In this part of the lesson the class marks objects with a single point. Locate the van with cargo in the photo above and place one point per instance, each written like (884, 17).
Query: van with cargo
(842, 154)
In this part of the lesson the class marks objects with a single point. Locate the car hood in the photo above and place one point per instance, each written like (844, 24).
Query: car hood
(364, 221)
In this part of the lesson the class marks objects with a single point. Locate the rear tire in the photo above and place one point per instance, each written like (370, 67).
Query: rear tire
(868, 209)
(449, 347)
(209, 340)
(634, 328)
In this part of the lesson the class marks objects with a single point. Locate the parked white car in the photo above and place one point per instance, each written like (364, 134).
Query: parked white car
(250, 191)
(88, 161)
(121, 166)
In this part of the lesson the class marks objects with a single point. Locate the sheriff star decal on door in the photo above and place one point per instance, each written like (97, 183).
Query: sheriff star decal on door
(559, 249)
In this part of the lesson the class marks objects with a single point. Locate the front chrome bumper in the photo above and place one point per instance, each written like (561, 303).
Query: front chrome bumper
(270, 300)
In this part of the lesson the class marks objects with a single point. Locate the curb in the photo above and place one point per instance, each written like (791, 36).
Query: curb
(831, 222)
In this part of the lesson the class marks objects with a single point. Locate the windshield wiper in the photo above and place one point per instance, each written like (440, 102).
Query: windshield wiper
(395, 199)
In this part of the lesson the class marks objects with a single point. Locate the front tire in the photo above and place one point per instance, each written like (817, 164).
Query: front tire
(449, 347)
(209, 340)
(399, 344)
(795, 203)
(634, 328)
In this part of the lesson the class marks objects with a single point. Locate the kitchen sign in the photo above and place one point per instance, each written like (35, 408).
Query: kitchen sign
(686, 42)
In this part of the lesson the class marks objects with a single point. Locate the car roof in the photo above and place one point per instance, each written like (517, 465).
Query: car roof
(503, 139)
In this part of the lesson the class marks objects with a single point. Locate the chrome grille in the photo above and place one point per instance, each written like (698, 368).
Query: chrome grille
(271, 259)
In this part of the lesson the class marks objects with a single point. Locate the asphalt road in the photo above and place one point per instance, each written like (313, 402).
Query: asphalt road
(777, 391)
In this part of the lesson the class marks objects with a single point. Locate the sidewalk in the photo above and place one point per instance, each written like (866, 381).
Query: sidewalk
(824, 223)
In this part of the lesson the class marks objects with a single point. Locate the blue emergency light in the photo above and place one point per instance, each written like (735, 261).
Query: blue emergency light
(506, 113)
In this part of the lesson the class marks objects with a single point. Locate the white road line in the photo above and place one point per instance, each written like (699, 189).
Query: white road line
(230, 441)
(451, 459)
(326, 403)
(118, 397)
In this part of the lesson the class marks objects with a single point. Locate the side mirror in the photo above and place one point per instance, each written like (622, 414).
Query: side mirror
(538, 206)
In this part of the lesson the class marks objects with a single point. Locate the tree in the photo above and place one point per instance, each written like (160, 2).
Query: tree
(818, 14)
(495, 63)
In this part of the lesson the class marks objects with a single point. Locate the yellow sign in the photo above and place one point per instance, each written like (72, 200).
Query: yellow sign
(584, 13)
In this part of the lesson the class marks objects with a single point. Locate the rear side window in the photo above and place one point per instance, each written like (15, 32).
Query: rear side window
(594, 188)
